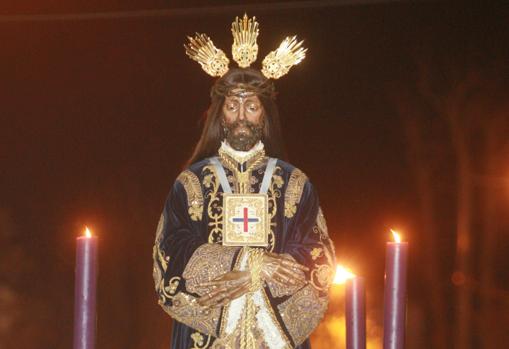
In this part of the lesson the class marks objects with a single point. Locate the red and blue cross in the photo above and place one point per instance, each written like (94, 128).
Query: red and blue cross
(245, 219)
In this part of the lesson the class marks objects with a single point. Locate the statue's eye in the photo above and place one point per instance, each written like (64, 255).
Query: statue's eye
(233, 107)
(253, 107)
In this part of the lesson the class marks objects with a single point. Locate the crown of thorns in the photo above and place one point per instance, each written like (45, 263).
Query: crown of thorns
(277, 63)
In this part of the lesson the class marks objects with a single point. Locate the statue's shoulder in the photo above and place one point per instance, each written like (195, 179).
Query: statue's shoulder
(194, 170)
(190, 176)
(291, 171)
(190, 181)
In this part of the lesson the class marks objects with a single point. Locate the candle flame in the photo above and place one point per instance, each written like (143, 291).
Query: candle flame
(88, 233)
(396, 236)
(342, 274)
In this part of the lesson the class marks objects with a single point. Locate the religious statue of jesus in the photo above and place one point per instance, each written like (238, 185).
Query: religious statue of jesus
(242, 257)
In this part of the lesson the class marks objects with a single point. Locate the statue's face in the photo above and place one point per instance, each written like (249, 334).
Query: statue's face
(243, 117)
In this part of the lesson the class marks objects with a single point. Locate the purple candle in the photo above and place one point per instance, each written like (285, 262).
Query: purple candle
(395, 293)
(85, 291)
(355, 312)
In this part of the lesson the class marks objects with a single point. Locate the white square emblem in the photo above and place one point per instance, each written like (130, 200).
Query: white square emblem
(245, 220)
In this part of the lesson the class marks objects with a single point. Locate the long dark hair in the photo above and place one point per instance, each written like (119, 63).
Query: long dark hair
(213, 133)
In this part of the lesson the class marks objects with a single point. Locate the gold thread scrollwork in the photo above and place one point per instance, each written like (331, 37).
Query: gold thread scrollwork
(273, 316)
(214, 207)
(323, 272)
(207, 262)
(316, 253)
(199, 341)
(321, 224)
(170, 289)
(160, 260)
(321, 277)
(185, 309)
(302, 312)
(274, 193)
(242, 179)
(157, 254)
(294, 192)
(192, 186)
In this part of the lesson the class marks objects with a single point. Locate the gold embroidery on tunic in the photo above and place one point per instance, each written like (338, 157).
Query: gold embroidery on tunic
(192, 186)
(316, 253)
(302, 312)
(243, 182)
(245, 332)
(186, 309)
(232, 163)
(226, 308)
(157, 254)
(253, 181)
(199, 341)
(242, 179)
(170, 289)
(214, 207)
(274, 193)
(233, 340)
(322, 273)
(158, 276)
(322, 276)
(275, 320)
(207, 262)
(294, 192)
(182, 307)
(160, 261)
(322, 224)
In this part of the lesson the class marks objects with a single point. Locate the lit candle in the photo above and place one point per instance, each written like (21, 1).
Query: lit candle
(395, 293)
(85, 291)
(355, 308)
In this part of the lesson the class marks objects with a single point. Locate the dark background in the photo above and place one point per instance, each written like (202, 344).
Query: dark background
(399, 115)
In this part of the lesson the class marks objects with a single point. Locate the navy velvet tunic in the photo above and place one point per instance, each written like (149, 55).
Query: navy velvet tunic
(191, 225)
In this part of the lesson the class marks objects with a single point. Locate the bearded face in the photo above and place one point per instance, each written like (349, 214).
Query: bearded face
(243, 120)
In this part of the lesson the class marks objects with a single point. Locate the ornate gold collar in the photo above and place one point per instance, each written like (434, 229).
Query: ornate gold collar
(242, 166)
(234, 158)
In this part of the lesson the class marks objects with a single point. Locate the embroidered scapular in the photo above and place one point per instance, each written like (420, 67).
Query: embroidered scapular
(194, 194)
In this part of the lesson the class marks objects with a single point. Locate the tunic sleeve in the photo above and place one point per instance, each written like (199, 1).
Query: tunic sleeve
(309, 244)
(183, 258)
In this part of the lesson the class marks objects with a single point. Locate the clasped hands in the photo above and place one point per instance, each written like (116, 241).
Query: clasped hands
(278, 268)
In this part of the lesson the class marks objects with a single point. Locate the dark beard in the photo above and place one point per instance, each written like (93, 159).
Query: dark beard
(245, 140)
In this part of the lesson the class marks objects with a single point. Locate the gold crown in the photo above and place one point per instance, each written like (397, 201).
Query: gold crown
(245, 51)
